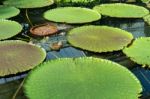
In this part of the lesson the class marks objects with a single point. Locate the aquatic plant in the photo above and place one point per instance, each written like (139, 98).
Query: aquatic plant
(139, 51)
(145, 1)
(64, 3)
(28, 3)
(121, 10)
(74, 1)
(44, 29)
(8, 12)
(9, 29)
(147, 19)
(81, 78)
(99, 38)
(18, 56)
(72, 15)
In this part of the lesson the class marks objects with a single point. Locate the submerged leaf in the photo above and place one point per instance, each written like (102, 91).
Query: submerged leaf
(28, 3)
(121, 10)
(72, 15)
(139, 51)
(82, 78)
(99, 38)
(9, 29)
(8, 12)
(19, 56)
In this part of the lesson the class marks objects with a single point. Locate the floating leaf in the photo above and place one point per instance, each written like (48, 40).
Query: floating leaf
(72, 15)
(145, 1)
(28, 3)
(99, 38)
(9, 29)
(121, 10)
(82, 78)
(147, 19)
(44, 29)
(8, 12)
(74, 1)
(139, 51)
(19, 56)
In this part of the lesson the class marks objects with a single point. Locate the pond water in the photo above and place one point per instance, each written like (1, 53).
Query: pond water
(136, 26)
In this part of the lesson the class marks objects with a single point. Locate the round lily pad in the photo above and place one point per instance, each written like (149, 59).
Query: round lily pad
(44, 29)
(9, 29)
(28, 3)
(99, 38)
(82, 78)
(18, 56)
(139, 51)
(121, 10)
(8, 12)
(74, 1)
(72, 15)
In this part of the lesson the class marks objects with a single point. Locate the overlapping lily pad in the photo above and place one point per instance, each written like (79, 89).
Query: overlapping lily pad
(99, 38)
(147, 19)
(9, 29)
(8, 12)
(139, 51)
(28, 3)
(72, 15)
(82, 78)
(121, 10)
(18, 56)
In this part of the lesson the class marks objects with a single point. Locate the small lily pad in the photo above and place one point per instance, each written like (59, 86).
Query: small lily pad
(8, 12)
(72, 15)
(9, 29)
(139, 51)
(82, 78)
(18, 56)
(44, 29)
(121, 10)
(99, 38)
(28, 3)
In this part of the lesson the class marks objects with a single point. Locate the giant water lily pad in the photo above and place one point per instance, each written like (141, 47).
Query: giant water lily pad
(139, 51)
(121, 10)
(19, 56)
(9, 29)
(8, 12)
(72, 15)
(82, 78)
(28, 3)
(99, 38)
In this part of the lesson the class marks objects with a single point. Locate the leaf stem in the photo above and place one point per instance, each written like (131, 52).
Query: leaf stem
(18, 89)
(27, 16)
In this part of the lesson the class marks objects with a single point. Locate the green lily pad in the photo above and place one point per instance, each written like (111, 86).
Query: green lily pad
(99, 38)
(18, 56)
(9, 29)
(82, 78)
(147, 19)
(121, 10)
(8, 12)
(74, 1)
(28, 3)
(72, 15)
(139, 51)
